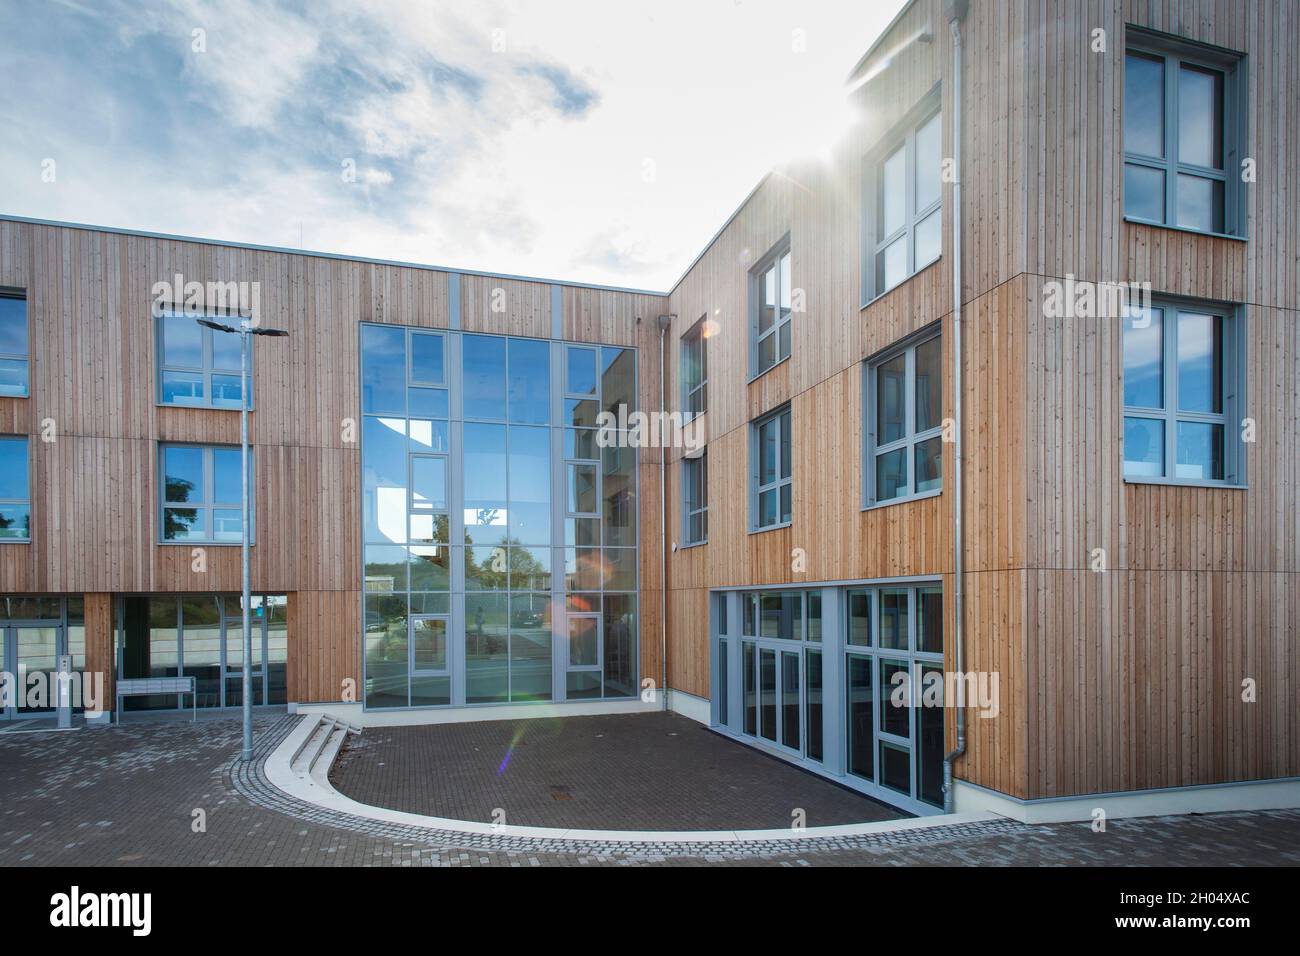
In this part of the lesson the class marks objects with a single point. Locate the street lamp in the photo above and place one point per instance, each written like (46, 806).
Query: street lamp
(246, 328)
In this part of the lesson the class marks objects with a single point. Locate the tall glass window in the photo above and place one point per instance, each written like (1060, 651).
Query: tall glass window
(772, 307)
(15, 490)
(487, 497)
(770, 504)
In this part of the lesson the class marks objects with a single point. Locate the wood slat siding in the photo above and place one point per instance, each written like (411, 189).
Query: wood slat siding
(1122, 680)
(94, 494)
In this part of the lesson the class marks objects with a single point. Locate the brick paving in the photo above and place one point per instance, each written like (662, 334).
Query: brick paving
(657, 771)
(128, 796)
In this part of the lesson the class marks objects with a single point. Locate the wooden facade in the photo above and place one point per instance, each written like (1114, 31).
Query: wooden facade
(94, 485)
(1125, 679)
(1122, 679)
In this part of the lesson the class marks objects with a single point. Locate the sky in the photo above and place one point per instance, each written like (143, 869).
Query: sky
(602, 142)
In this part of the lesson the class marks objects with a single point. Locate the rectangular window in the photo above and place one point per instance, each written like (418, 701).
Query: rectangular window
(770, 452)
(902, 201)
(201, 493)
(1181, 388)
(1179, 134)
(771, 309)
(695, 370)
(14, 349)
(903, 418)
(198, 366)
(695, 499)
(15, 490)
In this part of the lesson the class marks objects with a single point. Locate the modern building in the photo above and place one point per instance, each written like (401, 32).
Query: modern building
(1002, 398)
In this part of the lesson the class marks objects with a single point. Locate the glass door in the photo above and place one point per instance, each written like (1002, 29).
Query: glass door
(233, 653)
(28, 650)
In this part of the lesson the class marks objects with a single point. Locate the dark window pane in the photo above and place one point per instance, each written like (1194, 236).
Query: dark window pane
(1144, 360)
(1144, 447)
(620, 645)
(13, 325)
(383, 369)
(894, 695)
(751, 697)
(891, 475)
(767, 693)
(1144, 104)
(1200, 203)
(929, 464)
(182, 341)
(1200, 363)
(486, 647)
(183, 474)
(618, 379)
(1200, 451)
(929, 732)
(1144, 192)
(929, 385)
(893, 617)
(529, 398)
(580, 375)
(858, 716)
(895, 767)
(618, 496)
(859, 630)
(790, 703)
(483, 358)
(891, 400)
(813, 690)
(1200, 116)
(428, 359)
(929, 622)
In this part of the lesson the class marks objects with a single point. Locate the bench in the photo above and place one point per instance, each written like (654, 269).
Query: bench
(145, 686)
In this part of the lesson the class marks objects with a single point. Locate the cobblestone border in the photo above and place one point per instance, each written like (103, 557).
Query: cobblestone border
(250, 781)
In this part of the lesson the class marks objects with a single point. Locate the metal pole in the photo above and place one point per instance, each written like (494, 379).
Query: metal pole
(247, 752)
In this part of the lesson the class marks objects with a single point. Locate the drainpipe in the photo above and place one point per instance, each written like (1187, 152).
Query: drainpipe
(955, 10)
(664, 322)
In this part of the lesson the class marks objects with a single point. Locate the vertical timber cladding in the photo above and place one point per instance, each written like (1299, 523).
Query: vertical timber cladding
(89, 295)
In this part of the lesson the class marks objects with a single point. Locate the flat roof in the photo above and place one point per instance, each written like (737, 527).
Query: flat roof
(5, 217)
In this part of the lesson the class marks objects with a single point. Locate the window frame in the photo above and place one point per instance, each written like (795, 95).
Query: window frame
(207, 370)
(901, 136)
(1232, 383)
(209, 505)
(694, 339)
(756, 489)
(25, 357)
(1173, 52)
(27, 502)
(871, 450)
(769, 262)
(691, 506)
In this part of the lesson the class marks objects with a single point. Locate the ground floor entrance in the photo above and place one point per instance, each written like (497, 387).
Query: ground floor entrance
(35, 631)
(847, 681)
(201, 636)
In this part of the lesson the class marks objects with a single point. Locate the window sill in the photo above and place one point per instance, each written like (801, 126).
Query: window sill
(770, 527)
(193, 543)
(203, 408)
(898, 285)
(1193, 232)
(4, 541)
(754, 378)
(1184, 483)
(692, 544)
(876, 506)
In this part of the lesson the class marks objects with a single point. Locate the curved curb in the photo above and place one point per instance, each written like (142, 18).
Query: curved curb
(314, 789)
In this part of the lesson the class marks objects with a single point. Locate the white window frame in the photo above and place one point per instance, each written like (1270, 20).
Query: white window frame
(756, 489)
(691, 506)
(871, 449)
(1174, 52)
(208, 504)
(903, 136)
(1233, 373)
(24, 357)
(770, 262)
(695, 392)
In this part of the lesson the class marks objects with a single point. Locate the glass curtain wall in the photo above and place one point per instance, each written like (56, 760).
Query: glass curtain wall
(499, 537)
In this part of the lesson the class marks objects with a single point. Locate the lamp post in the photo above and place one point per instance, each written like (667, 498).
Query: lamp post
(246, 328)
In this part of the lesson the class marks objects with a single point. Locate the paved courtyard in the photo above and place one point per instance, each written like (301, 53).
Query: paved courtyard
(172, 793)
(657, 771)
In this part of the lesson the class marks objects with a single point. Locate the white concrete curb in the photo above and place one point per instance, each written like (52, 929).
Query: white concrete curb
(315, 788)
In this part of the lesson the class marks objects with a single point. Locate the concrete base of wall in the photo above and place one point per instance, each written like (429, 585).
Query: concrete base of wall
(1213, 798)
(358, 717)
(688, 705)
